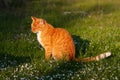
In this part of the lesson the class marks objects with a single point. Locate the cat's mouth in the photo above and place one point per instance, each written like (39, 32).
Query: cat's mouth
(34, 30)
(37, 32)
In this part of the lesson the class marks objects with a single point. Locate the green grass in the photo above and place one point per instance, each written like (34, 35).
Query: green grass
(94, 25)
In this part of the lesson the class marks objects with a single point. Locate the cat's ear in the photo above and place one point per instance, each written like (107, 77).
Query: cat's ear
(42, 21)
(33, 18)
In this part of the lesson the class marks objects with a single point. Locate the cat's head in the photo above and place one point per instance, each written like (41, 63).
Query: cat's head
(38, 24)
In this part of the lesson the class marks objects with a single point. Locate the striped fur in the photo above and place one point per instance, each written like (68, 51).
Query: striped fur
(95, 58)
(57, 42)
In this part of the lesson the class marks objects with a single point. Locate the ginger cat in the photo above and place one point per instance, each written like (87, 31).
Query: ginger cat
(57, 42)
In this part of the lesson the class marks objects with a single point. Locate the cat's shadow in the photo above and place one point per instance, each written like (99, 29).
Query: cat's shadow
(81, 45)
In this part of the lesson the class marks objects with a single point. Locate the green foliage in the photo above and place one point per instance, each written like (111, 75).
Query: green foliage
(93, 24)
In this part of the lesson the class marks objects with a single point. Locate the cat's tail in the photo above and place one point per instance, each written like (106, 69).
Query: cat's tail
(95, 58)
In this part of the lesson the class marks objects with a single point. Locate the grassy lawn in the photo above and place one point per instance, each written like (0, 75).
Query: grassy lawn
(94, 25)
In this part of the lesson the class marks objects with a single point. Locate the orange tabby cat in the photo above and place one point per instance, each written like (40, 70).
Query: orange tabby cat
(57, 42)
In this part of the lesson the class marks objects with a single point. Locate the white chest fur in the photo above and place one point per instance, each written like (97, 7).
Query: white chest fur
(39, 38)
